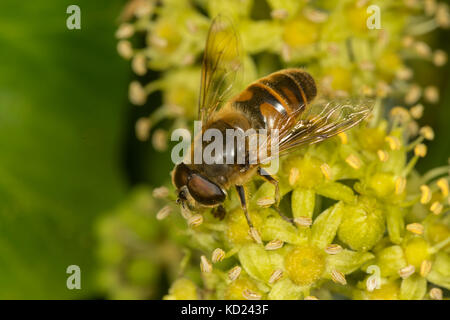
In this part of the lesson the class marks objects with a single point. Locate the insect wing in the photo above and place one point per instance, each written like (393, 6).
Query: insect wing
(320, 121)
(221, 67)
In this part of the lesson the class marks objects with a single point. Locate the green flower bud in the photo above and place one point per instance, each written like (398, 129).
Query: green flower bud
(413, 288)
(237, 226)
(337, 191)
(395, 223)
(305, 264)
(309, 172)
(276, 228)
(440, 271)
(285, 289)
(182, 289)
(390, 260)
(235, 290)
(256, 261)
(362, 225)
(388, 291)
(303, 202)
(382, 184)
(326, 224)
(347, 261)
(416, 250)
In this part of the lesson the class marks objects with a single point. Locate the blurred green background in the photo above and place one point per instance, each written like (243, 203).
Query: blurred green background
(67, 147)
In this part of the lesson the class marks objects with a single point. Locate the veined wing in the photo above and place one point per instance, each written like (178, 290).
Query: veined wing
(221, 67)
(320, 121)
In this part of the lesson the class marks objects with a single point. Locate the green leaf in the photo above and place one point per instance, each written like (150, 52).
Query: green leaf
(61, 103)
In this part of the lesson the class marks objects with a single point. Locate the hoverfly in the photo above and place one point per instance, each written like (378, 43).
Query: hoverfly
(281, 101)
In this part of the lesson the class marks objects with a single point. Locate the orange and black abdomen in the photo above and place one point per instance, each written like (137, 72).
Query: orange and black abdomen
(279, 97)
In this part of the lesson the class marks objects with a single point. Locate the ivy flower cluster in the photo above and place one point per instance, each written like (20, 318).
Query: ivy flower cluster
(367, 224)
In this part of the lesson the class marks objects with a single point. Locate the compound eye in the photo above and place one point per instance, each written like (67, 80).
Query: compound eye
(205, 191)
(181, 175)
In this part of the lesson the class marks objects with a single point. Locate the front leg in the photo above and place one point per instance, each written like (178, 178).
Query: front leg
(266, 176)
(253, 232)
(219, 212)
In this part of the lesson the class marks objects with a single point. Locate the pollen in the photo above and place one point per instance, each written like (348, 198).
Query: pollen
(427, 132)
(274, 245)
(265, 202)
(430, 7)
(293, 176)
(440, 58)
(315, 15)
(139, 64)
(124, 31)
(163, 213)
(303, 221)
(383, 155)
(338, 277)
(414, 93)
(137, 94)
(407, 41)
(195, 220)
(344, 138)
(425, 268)
(254, 234)
(234, 273)
(436, 207)
(442, 15)
(426, 194)
(142, 128)
(422, 49)
(125, 49)
(353, 161)
(279, 14)
(404, 74)
(417, 111)
(276, 275)
(400, 184)
(160, 193)
(443, 185)
(251, 295)
(420, 150)
(205, 265)
(326, 171)
(436, 294)
(333, 249)
(407, 271)
(400, 113)
(415, 228)
(431, 94)
(159, 139)
(394, 142)
(217, 255)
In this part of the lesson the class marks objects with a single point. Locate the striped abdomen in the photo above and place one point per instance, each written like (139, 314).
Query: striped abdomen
(279, 97)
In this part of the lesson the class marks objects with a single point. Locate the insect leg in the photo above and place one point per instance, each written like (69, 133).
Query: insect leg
(219, 212)
(241, 192)
(266, 176)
